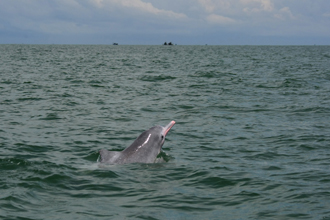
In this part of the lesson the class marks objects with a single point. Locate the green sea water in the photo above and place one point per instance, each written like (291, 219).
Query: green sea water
(251, 139)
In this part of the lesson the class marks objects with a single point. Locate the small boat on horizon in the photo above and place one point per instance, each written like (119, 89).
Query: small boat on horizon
(170, 43)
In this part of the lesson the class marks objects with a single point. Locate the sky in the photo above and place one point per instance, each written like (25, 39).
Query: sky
(152, 22)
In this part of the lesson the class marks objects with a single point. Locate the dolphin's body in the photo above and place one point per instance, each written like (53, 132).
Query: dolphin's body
(143, 150)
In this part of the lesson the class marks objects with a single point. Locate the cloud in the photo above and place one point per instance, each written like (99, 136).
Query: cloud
(284, 13)
(213, 5)
(257, 5)
(139, 5)
(326, 14)
(218, 19)
(236, 6)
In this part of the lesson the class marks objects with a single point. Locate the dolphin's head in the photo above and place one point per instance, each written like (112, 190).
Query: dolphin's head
(143, 150)
(148, 145)
(159, 133)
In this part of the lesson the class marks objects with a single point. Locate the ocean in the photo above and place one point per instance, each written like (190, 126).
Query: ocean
(251, 139)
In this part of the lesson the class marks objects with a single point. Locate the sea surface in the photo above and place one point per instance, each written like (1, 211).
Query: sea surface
(251, 139)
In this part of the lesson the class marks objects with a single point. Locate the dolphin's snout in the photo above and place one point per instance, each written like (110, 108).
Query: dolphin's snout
(168, 127)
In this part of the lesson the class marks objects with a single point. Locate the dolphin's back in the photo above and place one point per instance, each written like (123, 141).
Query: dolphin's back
(109, 156)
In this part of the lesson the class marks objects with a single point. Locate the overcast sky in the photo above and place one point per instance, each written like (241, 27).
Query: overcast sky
(219, 22)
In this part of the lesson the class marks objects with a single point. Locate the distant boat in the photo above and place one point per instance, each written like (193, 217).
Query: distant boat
(170, 43)
(115, 43)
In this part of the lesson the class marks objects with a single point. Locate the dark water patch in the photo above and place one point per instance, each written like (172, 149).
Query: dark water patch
(270, 168)
(216, 182)
(206, 74)
(313, 110)
(306, 147)
(76, 81)
(268, 86)
(162, 77)
(267, 155)
(186, 107)
(151, 71)
(198, 86)
(96, 85)
(66, 95)
(293, 83)
(29, 99)
(7, 82)
(32, 148)
(51, 116)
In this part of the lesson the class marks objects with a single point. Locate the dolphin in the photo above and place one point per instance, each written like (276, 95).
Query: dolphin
(143, 150)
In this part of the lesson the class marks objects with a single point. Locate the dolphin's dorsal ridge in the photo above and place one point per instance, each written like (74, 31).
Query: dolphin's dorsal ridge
(109, 156)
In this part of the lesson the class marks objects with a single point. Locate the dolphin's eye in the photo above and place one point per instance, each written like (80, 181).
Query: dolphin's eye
(162, 136)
